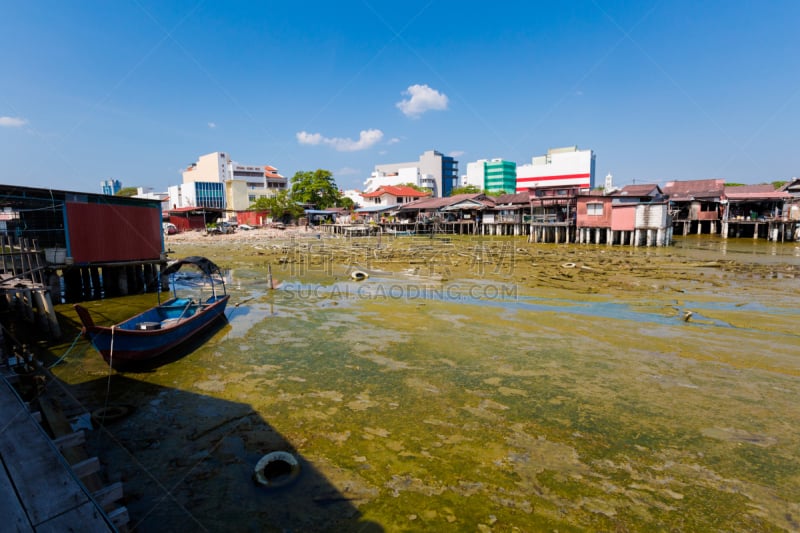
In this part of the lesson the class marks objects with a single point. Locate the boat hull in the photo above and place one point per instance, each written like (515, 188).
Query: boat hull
(153, 333)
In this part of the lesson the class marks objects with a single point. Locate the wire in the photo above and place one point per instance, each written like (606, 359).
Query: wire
(67, 352)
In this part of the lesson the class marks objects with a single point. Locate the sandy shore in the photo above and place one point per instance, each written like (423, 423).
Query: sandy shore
(250, 236)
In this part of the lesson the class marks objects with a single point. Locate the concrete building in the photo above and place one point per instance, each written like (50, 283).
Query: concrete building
(386, 178)
(354, 195)
(216, 177)
(111, 187)
(146, 193)
(434, 170)
(560, 167)
(197, 194)
(491, 175)
(389, 195)
(476, 173)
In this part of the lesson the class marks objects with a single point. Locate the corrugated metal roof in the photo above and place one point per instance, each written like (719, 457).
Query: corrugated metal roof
(523, 197)
(396, 190)
(756, 192)
(690, 189)
(644, 189)
(376, 208)
(437, 203)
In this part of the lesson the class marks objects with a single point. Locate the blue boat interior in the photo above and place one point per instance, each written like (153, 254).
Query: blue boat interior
(167, 314)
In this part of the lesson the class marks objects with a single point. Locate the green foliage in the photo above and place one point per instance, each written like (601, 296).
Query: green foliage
(497, 192)
(466, 189)
(127, 191)
(261, 204)
(417, 187)
(316, 188)
(779, 184)
(279, 206)
(734, 184)
(346, 203)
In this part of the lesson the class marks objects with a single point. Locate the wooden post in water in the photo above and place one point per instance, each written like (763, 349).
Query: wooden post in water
(269, 276)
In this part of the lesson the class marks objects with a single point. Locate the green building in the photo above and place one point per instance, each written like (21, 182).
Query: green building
(500, 175)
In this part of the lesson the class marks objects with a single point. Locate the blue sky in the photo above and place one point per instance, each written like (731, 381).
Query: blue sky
(137, 89)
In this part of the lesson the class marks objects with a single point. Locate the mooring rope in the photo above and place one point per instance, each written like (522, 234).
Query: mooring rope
(67, 352)
(110, 372)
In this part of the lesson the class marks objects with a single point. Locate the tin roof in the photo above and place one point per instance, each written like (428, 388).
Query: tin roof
(396, 190)
(438, 203)
(523, 197)
(756, 192)
(645, 189)
(691, 189)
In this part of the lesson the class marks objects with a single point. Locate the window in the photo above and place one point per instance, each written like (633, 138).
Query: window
(595, 209)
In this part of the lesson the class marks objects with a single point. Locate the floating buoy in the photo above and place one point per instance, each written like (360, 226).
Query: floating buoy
(568, 265)
(359, 275)
(112, 413)
(276, 469)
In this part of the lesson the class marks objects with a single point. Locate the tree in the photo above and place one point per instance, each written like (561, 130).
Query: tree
(779, 184)
(279, 206)
(346, 203)
(127, 191)
(466, 189)
(316, 188)
(417, 187)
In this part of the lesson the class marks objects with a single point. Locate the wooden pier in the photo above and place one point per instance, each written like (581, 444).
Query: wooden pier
(40, 491)
(23, 285)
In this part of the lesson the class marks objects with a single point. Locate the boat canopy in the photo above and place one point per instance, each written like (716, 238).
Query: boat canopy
(207, 266)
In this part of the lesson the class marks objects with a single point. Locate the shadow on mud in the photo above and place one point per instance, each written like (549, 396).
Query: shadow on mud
(187, 461)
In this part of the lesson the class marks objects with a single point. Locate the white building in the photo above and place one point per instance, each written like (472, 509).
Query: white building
(354, 195)
(389, 195)
(561, 167)
(392, 177)
(241, 185)
(475, 174)
(148, 194)
(433, 170)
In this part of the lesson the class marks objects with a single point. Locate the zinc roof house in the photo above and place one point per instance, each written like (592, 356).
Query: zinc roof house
(635, 215)
(459, 213)
(388, 195)
(509, 216)
(756, 210)
(695, 205)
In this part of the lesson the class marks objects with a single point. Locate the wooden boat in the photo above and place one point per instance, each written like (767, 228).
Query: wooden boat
(163, 328)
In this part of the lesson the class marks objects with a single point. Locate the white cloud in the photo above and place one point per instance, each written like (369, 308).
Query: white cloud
(347, 171)
(393, 140)
(366, 139)
(456, 153)
(422, 99)
(12, 122)
(212, 125)
(309, 138)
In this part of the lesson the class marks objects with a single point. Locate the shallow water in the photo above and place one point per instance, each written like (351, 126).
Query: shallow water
(473, 403)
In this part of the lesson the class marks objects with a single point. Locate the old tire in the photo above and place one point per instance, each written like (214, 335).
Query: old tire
(109, 414)
(359, 275)
(276, 469)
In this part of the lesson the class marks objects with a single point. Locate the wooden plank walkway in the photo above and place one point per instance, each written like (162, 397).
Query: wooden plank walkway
(38, 490)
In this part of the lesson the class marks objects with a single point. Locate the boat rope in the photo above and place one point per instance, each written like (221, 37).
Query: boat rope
(67, 352)
(110, 371)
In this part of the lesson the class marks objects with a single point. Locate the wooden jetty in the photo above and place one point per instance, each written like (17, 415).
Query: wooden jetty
(22, 283)
(41, 491)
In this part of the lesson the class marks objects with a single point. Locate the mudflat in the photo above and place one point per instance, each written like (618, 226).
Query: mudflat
(471, 383)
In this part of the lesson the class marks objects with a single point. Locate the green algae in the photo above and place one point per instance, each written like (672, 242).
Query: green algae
(469, 413)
